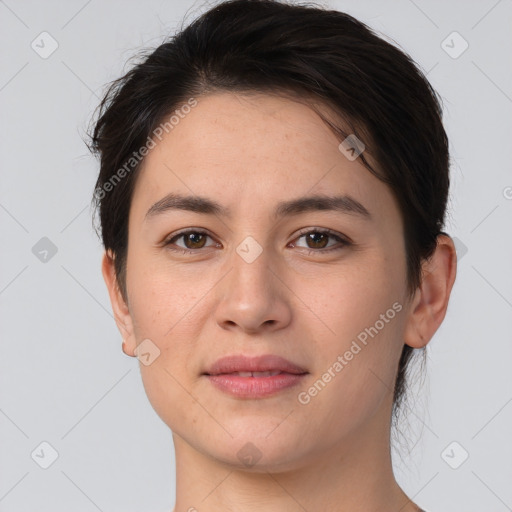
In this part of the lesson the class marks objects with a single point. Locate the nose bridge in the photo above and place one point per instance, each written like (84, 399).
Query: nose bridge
(250, 295)
(251, 273)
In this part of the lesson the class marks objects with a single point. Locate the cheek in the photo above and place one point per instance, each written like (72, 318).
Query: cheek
(161, 306)
(161, 296)
(362, 314)
(158, 305)
(354, 296)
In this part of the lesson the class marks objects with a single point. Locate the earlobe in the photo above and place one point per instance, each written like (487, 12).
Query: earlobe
(430, 302)
(120, 309)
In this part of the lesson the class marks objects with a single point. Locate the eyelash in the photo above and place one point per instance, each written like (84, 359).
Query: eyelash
(344, 241)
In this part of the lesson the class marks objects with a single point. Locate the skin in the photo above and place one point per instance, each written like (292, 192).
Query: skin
(333, 454)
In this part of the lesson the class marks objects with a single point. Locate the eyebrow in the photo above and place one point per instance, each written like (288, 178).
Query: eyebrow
(341, 203)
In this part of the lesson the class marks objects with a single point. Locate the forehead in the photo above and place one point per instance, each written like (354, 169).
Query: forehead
(249, 126)
(251, 151)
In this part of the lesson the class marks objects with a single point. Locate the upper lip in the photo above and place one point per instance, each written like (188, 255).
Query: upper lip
(241, 363)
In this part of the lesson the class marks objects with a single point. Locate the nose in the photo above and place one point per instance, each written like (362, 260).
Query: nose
(253, 296)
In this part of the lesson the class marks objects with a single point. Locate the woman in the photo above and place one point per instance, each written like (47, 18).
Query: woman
(272, 195)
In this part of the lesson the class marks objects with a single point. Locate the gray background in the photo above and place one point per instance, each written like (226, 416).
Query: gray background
(63, 377)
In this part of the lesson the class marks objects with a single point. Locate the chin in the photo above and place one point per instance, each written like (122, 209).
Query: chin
(260, 450)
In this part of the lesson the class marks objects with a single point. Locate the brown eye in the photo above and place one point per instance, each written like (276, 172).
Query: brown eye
(317, 240)
(193, 241)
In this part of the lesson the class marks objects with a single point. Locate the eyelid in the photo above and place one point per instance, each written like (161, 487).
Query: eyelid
(343, 238)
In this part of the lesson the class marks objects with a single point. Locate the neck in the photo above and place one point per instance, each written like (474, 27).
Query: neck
(353, 476)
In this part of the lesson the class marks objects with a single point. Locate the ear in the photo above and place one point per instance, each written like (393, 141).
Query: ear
(428, 307)
(119, 307)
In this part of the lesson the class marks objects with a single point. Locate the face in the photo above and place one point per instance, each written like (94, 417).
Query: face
(323, 288)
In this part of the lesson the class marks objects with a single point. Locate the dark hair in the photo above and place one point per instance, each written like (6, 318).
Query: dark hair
(311, 54)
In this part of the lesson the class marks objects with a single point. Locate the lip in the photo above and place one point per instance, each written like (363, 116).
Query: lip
(221, 375)
(264, 363)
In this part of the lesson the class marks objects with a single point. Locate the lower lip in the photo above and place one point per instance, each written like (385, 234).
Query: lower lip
(254, 387)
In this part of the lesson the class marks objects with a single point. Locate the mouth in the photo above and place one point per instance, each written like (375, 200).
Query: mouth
(256, 366)
(257, 377)
(254, 374)
(253, 386)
